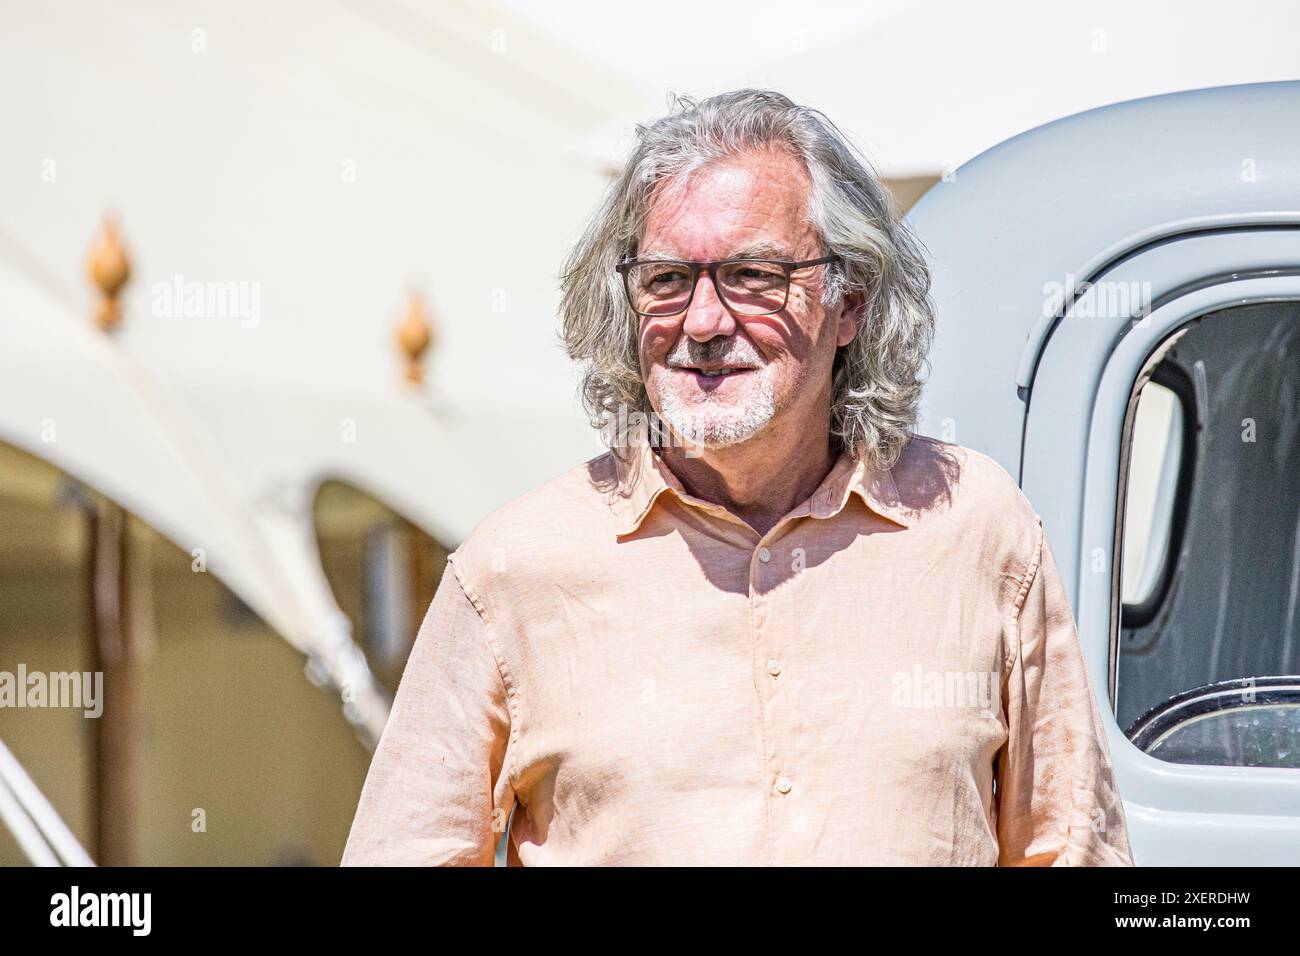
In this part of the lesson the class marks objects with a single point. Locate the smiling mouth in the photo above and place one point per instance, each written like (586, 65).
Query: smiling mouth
(721, 372)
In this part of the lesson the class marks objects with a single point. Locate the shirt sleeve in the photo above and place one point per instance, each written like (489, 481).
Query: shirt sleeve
(436, 793)
(1058, 802)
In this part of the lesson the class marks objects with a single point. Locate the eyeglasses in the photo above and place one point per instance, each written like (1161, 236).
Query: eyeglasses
(664, 287)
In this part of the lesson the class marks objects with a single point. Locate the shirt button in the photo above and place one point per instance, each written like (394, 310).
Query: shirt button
(764, 555)
(773, 666)
(783, 784)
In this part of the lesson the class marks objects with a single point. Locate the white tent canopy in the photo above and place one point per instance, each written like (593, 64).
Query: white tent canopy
(319, 161)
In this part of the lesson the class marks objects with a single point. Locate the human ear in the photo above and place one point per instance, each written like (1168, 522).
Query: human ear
(852, 308)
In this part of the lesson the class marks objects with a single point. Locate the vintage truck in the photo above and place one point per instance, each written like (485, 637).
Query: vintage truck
(1118, 302)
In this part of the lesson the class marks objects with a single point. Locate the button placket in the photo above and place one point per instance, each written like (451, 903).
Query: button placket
(767, 574)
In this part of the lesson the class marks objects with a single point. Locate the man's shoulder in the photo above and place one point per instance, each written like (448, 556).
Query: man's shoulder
(969, 485)
(552, 515)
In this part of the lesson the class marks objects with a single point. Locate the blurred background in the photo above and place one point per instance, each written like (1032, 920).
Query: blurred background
(278, 285)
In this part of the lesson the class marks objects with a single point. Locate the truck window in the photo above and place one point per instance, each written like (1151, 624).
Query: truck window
(1209, 638)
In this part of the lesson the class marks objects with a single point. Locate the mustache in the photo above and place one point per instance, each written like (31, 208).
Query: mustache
(714, 352)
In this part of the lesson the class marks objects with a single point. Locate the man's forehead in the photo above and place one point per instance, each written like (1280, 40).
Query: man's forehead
(752, 205)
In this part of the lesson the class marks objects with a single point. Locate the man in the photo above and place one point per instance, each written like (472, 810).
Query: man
(791, 631)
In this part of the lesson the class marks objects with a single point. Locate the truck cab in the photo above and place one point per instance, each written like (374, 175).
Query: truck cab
(1118, 304)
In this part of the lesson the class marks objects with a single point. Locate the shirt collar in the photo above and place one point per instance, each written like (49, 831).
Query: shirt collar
(644, 476)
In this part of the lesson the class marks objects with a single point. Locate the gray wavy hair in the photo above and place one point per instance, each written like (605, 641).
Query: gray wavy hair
(877, 377)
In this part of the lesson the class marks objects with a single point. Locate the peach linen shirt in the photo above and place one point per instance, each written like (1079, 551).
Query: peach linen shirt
(891, 675)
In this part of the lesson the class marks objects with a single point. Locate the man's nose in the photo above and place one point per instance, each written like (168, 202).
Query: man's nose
(707, 317)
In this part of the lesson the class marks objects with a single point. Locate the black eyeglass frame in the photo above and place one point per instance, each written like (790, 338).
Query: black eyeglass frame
(695, 268)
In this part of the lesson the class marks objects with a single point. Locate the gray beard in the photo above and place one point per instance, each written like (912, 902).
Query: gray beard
(714, 425)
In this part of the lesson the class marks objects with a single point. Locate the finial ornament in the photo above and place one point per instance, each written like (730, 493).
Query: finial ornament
(110, 268)
(414, 337)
